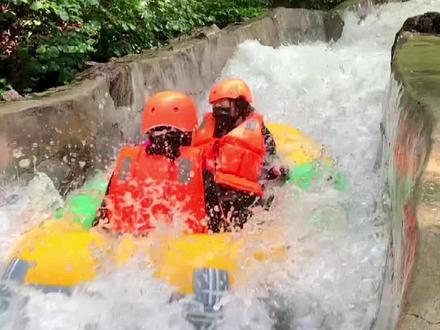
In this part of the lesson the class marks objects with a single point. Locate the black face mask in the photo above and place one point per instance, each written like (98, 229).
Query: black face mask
(221, 112)
(224, 121)
(169, 143)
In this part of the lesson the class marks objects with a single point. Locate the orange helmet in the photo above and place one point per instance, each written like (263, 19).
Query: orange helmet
(169, 108)
(230, 89)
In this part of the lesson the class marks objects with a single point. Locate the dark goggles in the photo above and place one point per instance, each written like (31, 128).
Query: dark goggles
(172, 136)
(221, 111)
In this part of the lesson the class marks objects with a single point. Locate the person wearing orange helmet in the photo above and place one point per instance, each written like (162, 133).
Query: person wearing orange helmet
(240, 155)
(162, 179)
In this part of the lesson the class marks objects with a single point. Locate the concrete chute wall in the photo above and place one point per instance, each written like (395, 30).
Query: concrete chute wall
(416, 162)
(411, 164)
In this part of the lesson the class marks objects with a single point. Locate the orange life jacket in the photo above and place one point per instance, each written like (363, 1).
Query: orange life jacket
(236, 159)
(146, 189)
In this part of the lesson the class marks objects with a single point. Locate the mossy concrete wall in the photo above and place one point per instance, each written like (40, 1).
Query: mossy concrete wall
(417, 64)
(411, 292)
(70, 132)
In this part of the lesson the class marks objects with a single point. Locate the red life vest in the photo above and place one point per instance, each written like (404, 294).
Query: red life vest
(146, 189)
(236, 159)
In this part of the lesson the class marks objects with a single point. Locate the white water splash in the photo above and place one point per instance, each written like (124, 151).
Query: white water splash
(22, 208)
(334, 93)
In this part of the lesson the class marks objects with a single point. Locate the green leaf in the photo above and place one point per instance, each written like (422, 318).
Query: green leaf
(37, 5)
(41, 50)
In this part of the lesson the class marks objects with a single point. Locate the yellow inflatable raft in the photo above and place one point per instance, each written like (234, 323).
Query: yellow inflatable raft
(61, 254)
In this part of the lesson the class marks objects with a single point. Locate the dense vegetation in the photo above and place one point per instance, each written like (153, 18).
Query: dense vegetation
(310, 4)
(44, 43)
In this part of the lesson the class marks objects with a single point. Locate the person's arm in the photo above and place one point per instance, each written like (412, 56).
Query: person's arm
(101, 214)
(273, 168)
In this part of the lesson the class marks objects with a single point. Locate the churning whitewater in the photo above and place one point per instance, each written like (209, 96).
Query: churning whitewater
(332, 279)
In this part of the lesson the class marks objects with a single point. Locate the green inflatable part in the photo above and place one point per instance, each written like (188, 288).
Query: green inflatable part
(303, 175)
(341, 181)
(325, 218)
(82, 205)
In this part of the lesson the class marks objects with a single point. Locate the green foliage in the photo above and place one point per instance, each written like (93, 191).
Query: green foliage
(47, 41)
(3, 86)
(44, 43)
(310, 4)
(228, 11)
(126, 26)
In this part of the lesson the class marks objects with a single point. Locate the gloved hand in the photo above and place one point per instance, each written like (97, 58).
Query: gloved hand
(279, 172)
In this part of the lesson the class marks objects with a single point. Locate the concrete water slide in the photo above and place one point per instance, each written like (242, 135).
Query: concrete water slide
(70, 132)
